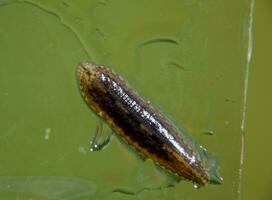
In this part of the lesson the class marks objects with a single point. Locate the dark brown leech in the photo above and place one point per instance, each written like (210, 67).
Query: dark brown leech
(138, 122)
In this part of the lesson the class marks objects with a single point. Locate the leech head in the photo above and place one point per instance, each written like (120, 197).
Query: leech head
(85, 73)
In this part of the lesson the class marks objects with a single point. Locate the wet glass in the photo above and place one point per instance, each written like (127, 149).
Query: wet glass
(189, 58)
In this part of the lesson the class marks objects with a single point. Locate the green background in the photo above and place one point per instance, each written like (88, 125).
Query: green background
(258, 164)
(188, 57)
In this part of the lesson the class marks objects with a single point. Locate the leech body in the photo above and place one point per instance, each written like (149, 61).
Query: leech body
(138, 122)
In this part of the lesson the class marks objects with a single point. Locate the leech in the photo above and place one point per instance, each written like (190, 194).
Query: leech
(143, 126)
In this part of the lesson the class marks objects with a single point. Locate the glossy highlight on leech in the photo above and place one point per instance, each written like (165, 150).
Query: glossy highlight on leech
(140, 124)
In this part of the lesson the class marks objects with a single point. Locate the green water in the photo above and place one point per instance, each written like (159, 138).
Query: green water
(188, 57)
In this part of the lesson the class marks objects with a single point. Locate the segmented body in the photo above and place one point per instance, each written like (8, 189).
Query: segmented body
(138, 122)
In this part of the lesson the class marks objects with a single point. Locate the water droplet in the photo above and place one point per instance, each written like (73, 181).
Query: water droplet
(203, 148)
(196, 186)
(47, 132)
(210, 132)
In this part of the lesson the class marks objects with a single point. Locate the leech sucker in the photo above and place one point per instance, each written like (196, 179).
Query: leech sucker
(139, 123)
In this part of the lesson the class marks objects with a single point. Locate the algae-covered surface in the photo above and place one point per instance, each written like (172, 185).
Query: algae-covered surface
(190, 58)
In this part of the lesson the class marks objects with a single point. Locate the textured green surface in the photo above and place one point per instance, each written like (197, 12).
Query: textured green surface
(188, 57)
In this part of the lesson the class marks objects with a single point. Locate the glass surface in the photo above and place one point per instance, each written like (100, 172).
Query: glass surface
(189, 58)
